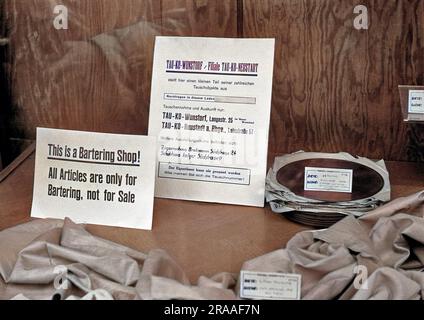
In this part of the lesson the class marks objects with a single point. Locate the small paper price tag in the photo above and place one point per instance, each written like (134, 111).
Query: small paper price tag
(412, 103)
(416, 101)
(327, 179)
(269, 286)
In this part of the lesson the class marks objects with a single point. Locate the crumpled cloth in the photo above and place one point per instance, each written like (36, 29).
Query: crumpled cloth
(35, 256)
(388, 243)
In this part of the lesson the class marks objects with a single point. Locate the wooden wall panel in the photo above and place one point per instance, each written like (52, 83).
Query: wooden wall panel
(335, 88)
(96, 75)
(5, 103)
(199, 18)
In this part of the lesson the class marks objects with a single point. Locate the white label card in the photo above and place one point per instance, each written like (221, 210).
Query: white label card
(97, 178)
(270, 286)
(210, 109)
(416, 101)
(328, 179)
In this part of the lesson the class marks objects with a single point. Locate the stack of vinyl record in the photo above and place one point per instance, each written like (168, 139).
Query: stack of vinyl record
(319, 189)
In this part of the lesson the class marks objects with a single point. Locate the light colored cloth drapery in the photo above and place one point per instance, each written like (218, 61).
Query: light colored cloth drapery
(388, 243)
(33, 256)
(38, 258)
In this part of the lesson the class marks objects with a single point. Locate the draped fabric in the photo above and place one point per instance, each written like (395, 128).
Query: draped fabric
(46, 259)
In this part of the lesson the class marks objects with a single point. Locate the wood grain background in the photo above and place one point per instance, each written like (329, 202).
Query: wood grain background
(335, 87)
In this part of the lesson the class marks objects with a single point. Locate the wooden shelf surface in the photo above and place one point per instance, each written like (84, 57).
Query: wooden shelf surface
(204, 238)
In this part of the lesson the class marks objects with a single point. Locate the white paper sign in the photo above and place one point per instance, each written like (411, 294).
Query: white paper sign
(210, 109)
(327, 179)
(97, 178)
(416, 101)
(269, 286)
